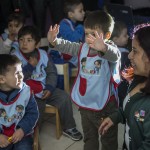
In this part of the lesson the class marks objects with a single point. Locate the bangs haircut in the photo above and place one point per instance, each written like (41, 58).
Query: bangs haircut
(70, 5)
(30, 30)
(99, 20)
(7, 60)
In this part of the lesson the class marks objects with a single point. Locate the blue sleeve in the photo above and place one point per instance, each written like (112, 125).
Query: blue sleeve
(76, 35)
(29, 120)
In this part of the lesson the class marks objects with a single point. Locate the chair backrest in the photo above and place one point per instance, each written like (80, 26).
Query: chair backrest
(121, 13)
(63, 69)
(44, 42)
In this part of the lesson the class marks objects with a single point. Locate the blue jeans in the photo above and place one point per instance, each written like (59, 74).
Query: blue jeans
(25, 144)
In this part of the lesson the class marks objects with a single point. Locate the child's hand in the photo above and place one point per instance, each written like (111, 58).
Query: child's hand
(4, 141)
(33, 61)
(46, 94)
(106, 124)
(97, 42)
(17, 136)
(52, 33)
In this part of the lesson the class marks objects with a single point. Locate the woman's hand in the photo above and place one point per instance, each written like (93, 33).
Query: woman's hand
(105, 125)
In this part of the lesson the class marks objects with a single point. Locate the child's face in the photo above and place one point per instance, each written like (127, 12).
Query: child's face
(14, 27)
(122, 40)
(27, 44)
(13, 79)
(78, 13)
(92, 32)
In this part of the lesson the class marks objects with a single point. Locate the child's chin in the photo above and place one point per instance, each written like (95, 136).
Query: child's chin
(19, 86)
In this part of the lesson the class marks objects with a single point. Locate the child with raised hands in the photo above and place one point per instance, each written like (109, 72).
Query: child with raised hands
(94, 92)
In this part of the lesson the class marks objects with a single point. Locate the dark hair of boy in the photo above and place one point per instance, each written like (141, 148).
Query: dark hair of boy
(119, 26)
(7, 60)
(70, 5)
(18, 17)
(99, 20)
(30, 30)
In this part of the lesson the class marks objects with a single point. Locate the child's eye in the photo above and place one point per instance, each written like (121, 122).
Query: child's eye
(17, 26)
(9, 25)
(29, 40)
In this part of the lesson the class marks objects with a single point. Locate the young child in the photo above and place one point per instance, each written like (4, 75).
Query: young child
(94, 92)
(40, 74)
(9, 39)
(136, 113)
(120, 38)
(18, 108)
(70, 28)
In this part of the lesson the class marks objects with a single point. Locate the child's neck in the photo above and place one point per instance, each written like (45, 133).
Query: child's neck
(74, 21)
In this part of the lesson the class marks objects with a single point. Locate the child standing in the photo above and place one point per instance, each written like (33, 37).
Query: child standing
(94, 92)
(9, 39)
(120, 38)
(18, 108)
(41, 75)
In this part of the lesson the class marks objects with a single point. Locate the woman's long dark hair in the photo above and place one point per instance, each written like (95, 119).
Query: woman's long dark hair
(142, 34)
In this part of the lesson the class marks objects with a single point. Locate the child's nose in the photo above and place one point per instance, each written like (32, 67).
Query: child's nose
(24, 42)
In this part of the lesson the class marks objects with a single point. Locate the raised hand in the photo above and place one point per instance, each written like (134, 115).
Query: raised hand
(106, 124)
(52, 33)
(97, 42)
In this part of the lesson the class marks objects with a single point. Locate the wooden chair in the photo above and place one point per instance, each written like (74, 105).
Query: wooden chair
(36, 144)
(62, 69)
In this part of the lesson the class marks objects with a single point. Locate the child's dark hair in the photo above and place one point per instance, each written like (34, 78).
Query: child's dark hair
(18, 17)
(7, 60)
(32, 30)
(119, 26)
(99, 19)
(70, 5)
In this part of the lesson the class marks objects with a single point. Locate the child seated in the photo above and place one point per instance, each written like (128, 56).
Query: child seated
(41, 75)
(71, 29)
(18, 108)
(120, 38)
(9, 39)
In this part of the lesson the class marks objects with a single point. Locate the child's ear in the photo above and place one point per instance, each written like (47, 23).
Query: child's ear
(2, 79)
(108, 35)
(70, 14)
